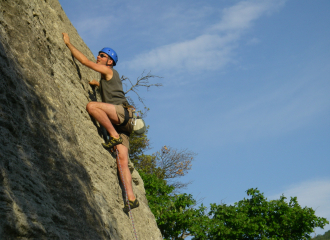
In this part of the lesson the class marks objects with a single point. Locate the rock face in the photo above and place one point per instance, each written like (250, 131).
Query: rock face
(56, 180)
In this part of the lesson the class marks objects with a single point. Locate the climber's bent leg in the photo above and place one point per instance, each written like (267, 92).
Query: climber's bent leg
(105, 114)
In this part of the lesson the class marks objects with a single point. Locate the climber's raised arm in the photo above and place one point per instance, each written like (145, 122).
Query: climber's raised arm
(104, 69)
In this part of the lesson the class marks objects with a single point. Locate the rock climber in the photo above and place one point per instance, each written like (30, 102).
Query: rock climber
(110, 113)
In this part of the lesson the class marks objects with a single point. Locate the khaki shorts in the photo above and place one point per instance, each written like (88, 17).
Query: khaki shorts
(127, 128)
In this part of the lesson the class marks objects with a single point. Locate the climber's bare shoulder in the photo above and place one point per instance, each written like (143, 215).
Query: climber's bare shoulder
(105, 71)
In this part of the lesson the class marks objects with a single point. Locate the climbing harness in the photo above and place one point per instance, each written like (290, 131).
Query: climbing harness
(126, 198)
(132, 122)
(126, 117)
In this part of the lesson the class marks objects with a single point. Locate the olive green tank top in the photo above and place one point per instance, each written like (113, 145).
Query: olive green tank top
(112, 90)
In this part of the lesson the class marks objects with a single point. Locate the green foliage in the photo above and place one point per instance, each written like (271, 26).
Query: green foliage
(252, 219)
(138, 145)
(168, 163)
(173, 212)
(143, 162)
(325, 236)
(257, 218)
(147, 164)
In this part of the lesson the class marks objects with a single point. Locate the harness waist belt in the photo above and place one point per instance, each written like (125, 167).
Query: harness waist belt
(126, 118)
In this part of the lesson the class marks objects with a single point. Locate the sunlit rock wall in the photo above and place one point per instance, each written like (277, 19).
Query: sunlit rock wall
(56, 180)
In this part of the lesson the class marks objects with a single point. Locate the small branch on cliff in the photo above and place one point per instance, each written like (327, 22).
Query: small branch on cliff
(142, 81)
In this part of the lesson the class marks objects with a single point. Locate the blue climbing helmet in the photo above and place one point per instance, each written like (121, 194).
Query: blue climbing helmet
(111, 54)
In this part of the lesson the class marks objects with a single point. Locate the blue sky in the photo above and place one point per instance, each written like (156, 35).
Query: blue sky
(246, 87)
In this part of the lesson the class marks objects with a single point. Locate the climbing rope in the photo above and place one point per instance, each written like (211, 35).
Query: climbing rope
(126, 198)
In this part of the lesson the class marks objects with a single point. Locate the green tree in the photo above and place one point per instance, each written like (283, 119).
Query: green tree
(325, 236)
(174, 213)
(252, 218)
(257, 218)
(167, 164)
(139, 144)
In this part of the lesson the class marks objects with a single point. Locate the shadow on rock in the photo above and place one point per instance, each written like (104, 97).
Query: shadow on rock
(45, 192)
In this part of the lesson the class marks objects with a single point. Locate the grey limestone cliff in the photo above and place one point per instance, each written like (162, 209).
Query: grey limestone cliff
(56, 180)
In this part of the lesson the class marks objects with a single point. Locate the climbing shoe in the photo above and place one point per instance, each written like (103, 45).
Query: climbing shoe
(112, 142)
(132, 204)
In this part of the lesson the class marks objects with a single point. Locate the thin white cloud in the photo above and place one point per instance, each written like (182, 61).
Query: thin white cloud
(253, 41)
(211, 50)
(206, 51)
(314, 194)
(241, 16)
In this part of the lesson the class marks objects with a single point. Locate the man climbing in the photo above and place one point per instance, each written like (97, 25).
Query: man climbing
(110, 113)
